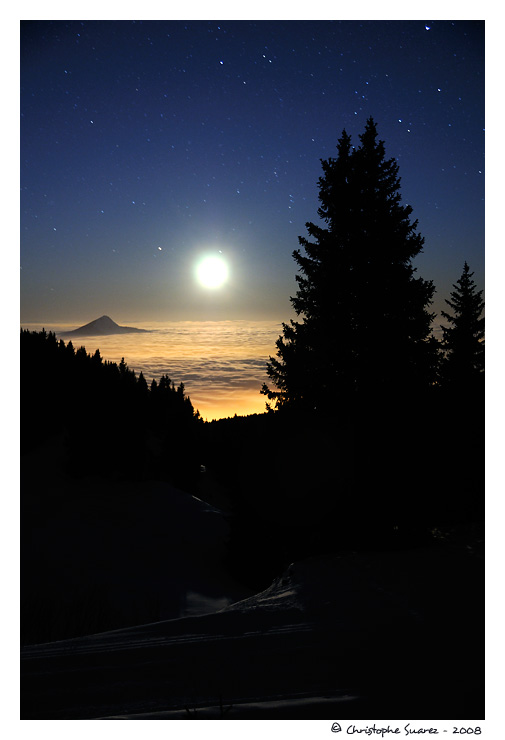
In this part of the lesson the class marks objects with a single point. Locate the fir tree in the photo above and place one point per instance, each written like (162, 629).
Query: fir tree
(365, 326)
(463, 338)
(97, 358)
(142, 384)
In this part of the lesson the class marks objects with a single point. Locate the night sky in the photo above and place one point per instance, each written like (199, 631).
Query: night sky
(146, 145)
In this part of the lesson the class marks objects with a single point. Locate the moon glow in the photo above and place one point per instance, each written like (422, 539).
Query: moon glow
(212, 272)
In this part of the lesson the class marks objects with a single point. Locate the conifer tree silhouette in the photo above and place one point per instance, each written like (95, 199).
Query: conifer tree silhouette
(142, 384)
(463, 338)
(365, 326)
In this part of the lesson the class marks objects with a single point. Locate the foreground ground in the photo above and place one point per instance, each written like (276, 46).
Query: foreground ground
(350, 635)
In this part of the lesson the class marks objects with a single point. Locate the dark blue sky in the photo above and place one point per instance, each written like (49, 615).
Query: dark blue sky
(147, 144)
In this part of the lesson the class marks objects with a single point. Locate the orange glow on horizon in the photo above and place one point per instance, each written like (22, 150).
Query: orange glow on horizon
(221, 407)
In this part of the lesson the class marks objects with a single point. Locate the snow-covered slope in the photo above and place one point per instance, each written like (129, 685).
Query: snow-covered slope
(355, 634)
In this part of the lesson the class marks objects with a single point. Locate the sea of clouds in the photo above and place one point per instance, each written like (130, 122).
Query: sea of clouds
(221, 363)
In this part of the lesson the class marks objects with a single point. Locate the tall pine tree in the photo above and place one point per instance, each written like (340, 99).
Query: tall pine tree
(365, 327)
(463, 338)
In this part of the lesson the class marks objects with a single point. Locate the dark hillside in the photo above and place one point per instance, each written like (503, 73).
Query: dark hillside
(101, 454)
(374, 479)
(111, 422)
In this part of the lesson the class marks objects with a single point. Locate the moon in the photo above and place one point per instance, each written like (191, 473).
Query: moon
(212, 272)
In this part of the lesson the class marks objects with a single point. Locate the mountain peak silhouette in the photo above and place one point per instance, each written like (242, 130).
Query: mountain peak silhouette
(102, 327)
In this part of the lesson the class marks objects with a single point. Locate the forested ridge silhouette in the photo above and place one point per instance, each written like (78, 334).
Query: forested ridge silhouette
(111, 422)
